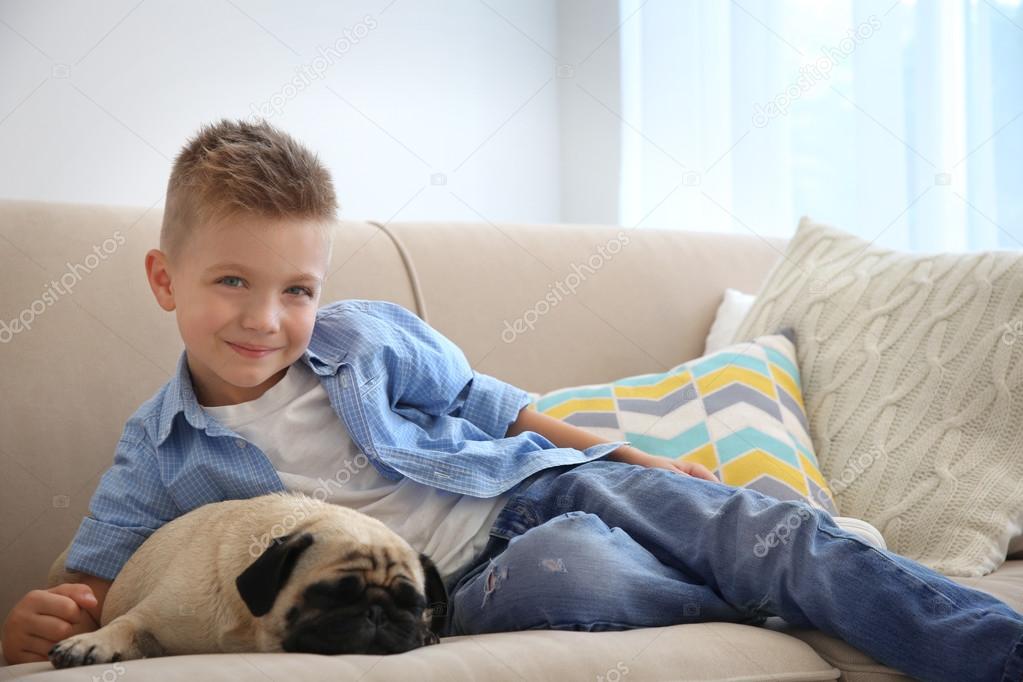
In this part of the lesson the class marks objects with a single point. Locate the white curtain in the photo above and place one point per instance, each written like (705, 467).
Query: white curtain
(899, 121)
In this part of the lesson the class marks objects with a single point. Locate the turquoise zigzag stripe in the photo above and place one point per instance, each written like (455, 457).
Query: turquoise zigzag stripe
(744, 440)
(806, 453)
(722, 360)
(783, 363)
(687, 441)
(645, 379)
(563, 396)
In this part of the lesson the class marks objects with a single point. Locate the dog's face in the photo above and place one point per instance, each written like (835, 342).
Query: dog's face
(325, 594)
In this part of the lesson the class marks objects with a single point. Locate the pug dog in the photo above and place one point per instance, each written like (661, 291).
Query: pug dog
(218, 579)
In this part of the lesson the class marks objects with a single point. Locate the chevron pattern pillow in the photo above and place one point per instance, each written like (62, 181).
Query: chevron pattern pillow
(738, 411)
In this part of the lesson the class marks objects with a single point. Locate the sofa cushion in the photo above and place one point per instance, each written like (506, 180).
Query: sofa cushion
(738, 412)
(696, 651)
(914, 394)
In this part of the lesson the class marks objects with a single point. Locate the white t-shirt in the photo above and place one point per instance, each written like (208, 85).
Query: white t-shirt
(294, 424)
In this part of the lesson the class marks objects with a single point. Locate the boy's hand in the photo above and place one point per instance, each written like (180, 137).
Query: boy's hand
(633, 455)
(694, 469)
(44, 617)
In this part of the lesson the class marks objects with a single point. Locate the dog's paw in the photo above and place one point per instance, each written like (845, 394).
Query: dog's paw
(84, 649)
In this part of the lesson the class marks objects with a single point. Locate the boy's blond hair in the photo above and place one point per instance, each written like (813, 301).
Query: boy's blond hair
(240, 167)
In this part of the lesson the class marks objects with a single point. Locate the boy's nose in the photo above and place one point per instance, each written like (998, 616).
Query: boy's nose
(261, 317)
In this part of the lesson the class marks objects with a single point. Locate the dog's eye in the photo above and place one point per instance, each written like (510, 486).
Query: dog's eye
(406, 597)
(328, 594)
(349, 587)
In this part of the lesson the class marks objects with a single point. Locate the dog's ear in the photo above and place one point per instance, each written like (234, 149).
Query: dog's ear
(260, 583)
(436, 594)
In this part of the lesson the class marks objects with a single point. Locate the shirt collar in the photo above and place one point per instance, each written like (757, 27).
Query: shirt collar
(180, 395)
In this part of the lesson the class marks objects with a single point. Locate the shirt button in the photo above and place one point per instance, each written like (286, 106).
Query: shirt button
(240, 443)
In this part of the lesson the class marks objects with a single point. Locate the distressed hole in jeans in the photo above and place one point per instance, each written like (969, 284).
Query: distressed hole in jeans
(493, 573)
(553, 565)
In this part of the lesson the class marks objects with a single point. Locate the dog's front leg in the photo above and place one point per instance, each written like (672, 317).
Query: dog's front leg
(120, 640)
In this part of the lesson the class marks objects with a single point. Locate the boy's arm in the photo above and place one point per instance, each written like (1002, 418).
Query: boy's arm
(565, 435)
(430, 373)
(130, 503)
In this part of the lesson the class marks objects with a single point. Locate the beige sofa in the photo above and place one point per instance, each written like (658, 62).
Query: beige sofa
(597, 302)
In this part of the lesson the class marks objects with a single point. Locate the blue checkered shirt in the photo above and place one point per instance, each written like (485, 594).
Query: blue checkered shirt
(406, 394)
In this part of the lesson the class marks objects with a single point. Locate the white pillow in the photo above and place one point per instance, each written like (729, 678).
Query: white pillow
(913, 383)
(732, 311)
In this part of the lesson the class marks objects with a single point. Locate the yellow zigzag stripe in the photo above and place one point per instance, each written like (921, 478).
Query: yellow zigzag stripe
(581, 405)
(705, 455)
(669, 384)
(727, 375)
(742, 470)
(810, 470)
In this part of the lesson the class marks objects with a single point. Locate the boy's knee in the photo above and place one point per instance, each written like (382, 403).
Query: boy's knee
(781, 524)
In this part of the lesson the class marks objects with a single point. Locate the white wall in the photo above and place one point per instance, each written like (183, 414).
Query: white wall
(97, 98)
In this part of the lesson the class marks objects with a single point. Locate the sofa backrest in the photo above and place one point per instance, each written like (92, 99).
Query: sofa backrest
(83, 342)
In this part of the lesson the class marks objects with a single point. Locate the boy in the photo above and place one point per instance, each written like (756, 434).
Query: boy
(533, 523)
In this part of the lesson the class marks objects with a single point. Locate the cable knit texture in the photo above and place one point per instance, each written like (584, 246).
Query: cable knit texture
(912, 371)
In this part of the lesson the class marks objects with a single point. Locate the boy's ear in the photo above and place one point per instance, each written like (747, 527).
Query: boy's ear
(160, 279)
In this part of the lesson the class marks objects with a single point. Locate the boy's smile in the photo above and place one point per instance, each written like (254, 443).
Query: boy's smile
(246, 291)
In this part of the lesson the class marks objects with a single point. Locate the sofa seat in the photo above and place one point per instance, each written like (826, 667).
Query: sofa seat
(700, 651)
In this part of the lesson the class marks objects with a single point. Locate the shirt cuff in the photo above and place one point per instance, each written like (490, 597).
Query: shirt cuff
(101, 549)
(493, 405)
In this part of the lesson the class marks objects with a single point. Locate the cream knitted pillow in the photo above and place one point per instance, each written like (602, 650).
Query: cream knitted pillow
(912, 369)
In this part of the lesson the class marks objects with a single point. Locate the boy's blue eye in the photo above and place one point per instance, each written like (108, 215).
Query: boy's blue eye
(304, 291)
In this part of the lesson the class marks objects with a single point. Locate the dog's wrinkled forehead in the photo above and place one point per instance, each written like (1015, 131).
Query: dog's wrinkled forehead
(376, 561)
(377, 564)
(349, 589)
(324, 556)
(345, 574)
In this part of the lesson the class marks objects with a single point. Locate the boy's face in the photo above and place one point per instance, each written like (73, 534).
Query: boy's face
(240, 282)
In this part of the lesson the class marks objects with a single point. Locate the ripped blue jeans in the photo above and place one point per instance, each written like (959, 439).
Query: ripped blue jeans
(605, 545)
